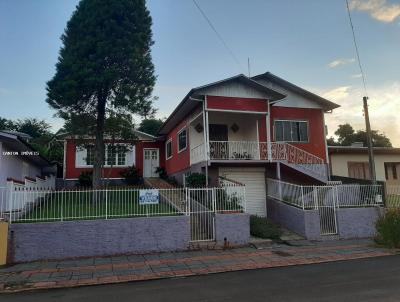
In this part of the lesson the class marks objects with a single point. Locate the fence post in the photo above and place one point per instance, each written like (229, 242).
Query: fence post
(302, 197)
(106, 203)
(62, 205)
(10, 201)
(214, 200)
(315, 197)
(337, 197)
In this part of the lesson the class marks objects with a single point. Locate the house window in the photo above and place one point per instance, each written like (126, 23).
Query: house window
(359, 170)
(291, 131)
(90, 155)
(168, 149)
(114, 155)
(182, 140)
(391, 167)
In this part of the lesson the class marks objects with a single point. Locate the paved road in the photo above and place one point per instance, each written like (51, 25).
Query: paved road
(373, 279)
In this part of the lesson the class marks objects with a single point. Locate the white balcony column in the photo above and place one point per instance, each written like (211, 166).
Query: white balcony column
(268, 128)
(258, 142)
(206, 137)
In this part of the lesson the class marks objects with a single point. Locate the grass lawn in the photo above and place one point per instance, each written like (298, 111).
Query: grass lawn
(393, 200)
(83, 205)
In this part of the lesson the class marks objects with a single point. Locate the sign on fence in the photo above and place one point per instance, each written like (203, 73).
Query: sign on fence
(151, 196)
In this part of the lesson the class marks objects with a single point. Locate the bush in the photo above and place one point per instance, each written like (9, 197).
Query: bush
(162, 173)
(262, 228)
(388, 229)
(196, 180)
(131, 176)
(85, 179)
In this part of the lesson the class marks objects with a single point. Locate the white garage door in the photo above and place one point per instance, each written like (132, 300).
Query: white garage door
(254, 179)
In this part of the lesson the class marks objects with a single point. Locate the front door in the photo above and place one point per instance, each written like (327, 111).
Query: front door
(151, 162)
(218, 135)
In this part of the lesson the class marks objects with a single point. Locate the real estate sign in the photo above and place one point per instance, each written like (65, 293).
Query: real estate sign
(150, 196)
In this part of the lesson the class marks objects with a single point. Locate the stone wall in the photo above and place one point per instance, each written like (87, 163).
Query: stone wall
(234, 227)
(59, 240)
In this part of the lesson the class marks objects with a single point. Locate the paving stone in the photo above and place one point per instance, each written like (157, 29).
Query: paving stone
(39, 277)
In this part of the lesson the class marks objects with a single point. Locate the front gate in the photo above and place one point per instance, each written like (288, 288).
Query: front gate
(201, 209)
(325, 202)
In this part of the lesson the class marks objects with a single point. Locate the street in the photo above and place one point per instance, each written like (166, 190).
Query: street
(373, 279)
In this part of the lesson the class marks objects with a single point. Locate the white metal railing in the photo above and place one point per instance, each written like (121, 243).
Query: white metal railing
(313, 197)
(392, 195)
(275, 151)
(197, 154)
(34, 205)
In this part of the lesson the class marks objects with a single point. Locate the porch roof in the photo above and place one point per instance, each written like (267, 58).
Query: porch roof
(188, 104)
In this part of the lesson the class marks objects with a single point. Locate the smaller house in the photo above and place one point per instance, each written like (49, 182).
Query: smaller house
(146, 153)
(19, 160)
(352, 161)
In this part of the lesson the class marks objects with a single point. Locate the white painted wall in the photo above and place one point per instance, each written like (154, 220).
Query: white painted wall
(292, 99)
(234, 89)
(15, 167)
(340, 168)
(247, 124)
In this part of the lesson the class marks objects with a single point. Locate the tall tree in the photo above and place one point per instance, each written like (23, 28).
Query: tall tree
(104, 66)
(151, 125)
(346, 135)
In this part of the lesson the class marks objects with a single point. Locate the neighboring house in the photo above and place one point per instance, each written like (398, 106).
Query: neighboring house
(352, 161)
(241, 128)
(19, 160)
(245, 129)
(146, 154)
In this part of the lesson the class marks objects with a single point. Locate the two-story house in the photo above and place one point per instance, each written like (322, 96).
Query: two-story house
(240, 128)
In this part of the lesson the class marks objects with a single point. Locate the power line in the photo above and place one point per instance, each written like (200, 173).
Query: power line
(356, 47)
(219, 36)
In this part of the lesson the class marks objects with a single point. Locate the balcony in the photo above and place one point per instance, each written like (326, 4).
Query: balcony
(242, 151)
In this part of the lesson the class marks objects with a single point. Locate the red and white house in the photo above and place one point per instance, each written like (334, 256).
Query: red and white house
(240, 128)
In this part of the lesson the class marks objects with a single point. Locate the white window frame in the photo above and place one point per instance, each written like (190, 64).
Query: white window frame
(291, 141)
(166, 149)
(105, 157)
(186, 139)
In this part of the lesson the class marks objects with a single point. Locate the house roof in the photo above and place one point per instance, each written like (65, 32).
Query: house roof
(187, 104)
(17, 143)
(326, 104)
(140, 134)
(362, 150)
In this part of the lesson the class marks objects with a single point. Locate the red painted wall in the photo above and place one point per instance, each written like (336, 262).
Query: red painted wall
(72, 172)
(234, 103)
(316, 144)
(178, 161)
(139, 153)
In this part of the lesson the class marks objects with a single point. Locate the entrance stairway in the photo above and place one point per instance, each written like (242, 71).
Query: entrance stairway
(171, 194)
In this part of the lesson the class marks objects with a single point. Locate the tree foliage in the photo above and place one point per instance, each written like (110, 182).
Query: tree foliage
(104, 68)
(346, 135)
(151, 126)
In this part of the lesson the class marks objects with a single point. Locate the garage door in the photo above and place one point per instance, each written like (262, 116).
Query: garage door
(254, 179)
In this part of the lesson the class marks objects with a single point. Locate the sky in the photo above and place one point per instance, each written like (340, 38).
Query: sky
(308, 43)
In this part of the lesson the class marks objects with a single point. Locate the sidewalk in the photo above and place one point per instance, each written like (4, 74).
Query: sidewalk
(95, 271)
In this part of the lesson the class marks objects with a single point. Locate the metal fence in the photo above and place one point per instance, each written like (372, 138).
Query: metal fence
(35, 205)
(392, 196)
(313, 197)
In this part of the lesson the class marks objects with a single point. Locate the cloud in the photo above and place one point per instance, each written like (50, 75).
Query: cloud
(378, 9)
(356, 76)
(337, 94)
(340, 62)
(384, 103)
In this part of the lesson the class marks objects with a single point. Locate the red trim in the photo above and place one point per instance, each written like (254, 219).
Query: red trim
(235, 103)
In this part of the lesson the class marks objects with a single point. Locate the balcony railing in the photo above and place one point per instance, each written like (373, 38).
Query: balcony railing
(253, 150)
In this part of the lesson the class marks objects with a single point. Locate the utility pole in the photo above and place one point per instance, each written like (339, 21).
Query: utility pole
(369, 141)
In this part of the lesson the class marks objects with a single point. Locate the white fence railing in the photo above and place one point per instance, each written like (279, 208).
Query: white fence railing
(313, 197)
(254, 150)
(30, 205)
(393, 195)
